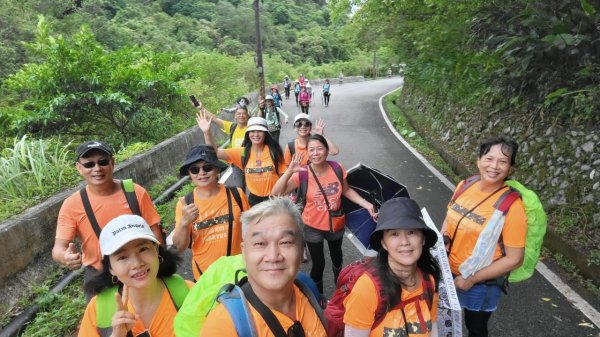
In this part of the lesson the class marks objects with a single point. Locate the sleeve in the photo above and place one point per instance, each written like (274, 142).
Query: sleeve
(66, 225)
(235, 156)
(434, 307)
(514, 233)
(88, 323)
(147, 208)
(360, 304)
(218, 323)
(226, 126)
(344, 173)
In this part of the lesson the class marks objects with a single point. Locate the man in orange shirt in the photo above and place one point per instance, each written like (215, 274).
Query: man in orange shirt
(272, 249)
(107, 200)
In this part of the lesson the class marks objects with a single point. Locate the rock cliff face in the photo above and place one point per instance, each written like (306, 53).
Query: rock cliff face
(557, 159)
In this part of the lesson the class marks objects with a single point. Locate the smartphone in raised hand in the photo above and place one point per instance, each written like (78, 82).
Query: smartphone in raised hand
(194, 101)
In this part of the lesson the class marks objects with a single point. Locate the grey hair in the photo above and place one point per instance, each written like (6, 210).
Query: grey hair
(275, 205)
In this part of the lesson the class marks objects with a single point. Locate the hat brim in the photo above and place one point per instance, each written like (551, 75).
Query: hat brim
(183, 170)
(99, 149)
(115, 245)
(257, 128)
(407, 223)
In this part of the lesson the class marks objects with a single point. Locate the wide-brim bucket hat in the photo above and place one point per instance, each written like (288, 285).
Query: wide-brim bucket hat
(257, 124)
(401, 213)
(202, 152)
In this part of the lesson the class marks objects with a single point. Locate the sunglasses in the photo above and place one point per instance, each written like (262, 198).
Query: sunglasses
(91, 164)
(207, 168)
(302, 124)
(296, 330)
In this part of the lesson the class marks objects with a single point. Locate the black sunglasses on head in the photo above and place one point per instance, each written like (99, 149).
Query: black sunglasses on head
(206, 168)
(296, 330)
(91, 164)
(302, 124)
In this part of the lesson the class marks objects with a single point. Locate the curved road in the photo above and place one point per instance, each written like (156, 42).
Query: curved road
(354, 121)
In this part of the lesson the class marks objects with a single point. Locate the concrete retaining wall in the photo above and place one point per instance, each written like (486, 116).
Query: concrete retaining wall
(26, 240)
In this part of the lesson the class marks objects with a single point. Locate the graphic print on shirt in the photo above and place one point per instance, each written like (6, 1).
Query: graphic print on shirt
(330, 189)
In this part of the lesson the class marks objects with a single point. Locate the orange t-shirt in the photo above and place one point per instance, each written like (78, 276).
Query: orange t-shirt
(161, 324)
(260, 172)
(514, 231)
(73, 221)
(287, 154)
(315, 212)
(360, 307)
(219, 322)
(210, 230)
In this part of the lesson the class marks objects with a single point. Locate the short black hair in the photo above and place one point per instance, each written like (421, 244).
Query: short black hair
(508, 147)
(320, 139)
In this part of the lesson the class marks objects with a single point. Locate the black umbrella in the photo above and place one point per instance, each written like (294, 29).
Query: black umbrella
(376, 187)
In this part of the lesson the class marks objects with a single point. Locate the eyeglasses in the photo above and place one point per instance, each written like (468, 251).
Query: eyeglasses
(91, 164)
(207, 168)
(302, 124)
(296, 330)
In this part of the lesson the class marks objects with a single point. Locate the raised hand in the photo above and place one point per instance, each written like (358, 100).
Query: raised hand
(189, 213)
(203, 121)
(295, 164)
(122, 320)
(72, 257)
(319, 126)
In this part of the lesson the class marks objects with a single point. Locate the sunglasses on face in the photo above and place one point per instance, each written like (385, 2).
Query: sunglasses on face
(91, 164)
(206, 168)
(302, 124)
(296, 330)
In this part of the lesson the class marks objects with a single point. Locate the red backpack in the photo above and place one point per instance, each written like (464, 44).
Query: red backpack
(334, 313)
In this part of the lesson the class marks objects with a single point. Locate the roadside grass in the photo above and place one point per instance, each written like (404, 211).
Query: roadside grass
(32, 170)
(60, 313)
(414, 139)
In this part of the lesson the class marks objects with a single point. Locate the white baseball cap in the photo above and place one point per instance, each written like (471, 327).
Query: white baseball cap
(302, 115)
(122, 230)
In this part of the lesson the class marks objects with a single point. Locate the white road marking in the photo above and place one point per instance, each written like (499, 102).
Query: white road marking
(577, 301)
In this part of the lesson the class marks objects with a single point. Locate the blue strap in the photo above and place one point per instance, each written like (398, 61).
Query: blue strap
(235, 302)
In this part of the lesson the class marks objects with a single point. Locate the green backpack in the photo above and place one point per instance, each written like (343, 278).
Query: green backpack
(537, 222)
(106, 306)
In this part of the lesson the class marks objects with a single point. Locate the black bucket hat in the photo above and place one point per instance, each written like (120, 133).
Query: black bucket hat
(202, 152)
(401, 213)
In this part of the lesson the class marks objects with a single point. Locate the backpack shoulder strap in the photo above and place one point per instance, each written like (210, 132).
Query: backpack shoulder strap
(189, 198)
(302, 187)
(506, 200)
(129, 190)
(264, 311)
(89, 211)
(337, 169)
(292, 146)
(467, 183)
(235, 192)
(105, 307)
(244, 159)
(232, 128)
(308, 287)
(234, 300)
(230, 220)
(177, 288)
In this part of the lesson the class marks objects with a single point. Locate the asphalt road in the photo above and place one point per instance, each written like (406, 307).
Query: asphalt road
(355, 123)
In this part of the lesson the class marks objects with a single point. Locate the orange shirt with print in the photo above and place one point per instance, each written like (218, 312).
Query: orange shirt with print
(360, 307)
(298, 148)
(219, 322)
(73, 221)
(260, 172)
(210, 230)
(514, 231)
(315, 212)
(161, 324)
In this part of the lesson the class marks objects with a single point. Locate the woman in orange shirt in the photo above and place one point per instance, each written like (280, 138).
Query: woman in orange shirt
(323, 217)
(473, 222)
(137, 286)
(405, 270)
(260, 157)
